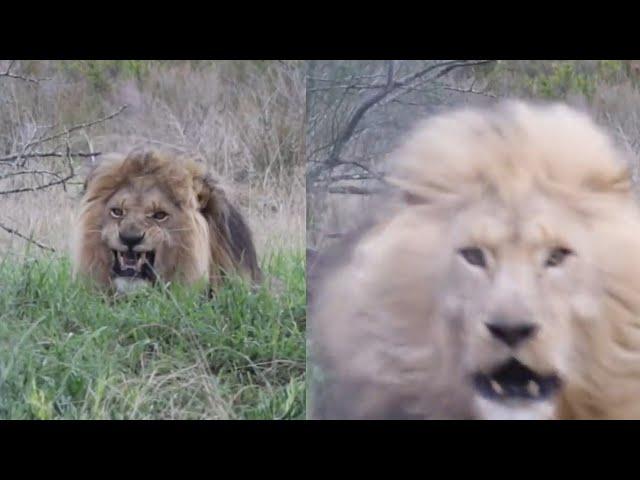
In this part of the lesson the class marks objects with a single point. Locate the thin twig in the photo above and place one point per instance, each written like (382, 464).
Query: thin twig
(81, 126)
(39, 187)
(18, 234)
(11, 158)
(390, 90)
(29, 172)
(7, 73)
(23, 154)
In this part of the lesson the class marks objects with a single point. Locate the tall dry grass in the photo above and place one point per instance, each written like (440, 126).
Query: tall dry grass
(244, 118)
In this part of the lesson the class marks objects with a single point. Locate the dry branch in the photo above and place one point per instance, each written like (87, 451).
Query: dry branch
(7, 74)
(11, 158)
(79, 126)
(389, 91)
(18, 234)
(61, 181)
(29, 172)
(52, 151)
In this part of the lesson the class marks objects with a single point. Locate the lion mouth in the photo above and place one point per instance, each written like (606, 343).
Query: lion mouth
(134, 264)
(513, 380)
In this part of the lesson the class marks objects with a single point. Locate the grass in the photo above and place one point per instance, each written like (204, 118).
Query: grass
(67, 352)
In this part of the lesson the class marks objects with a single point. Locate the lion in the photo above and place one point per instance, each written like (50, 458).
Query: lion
(504, 283)
(151, 216)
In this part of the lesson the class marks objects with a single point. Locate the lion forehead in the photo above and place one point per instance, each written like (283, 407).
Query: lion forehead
(147, 192)
(177, 177)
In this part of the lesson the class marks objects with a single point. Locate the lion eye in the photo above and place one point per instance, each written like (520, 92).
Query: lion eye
(160, 215)
(474, 256)
(557, 256)
(117, 212)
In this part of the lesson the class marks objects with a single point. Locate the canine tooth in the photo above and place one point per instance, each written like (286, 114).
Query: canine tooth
(496, 387)
(533, 388)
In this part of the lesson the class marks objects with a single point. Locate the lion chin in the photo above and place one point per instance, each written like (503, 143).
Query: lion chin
(497, 280)
(127, 285)
(151, 217)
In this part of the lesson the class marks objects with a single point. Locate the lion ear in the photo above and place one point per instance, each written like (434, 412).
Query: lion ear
(203, 193)
(93, 167)
(212, 200)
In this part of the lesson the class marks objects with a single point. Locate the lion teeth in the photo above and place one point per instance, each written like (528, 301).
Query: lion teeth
(533, 388)
(141, 258)
(496, 387)
(133, 261)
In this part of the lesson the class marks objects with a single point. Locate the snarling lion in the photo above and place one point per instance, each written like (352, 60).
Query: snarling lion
(504, 284)
(151, 216)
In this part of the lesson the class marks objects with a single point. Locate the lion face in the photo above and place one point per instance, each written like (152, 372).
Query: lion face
(518, 279)
(149, 217)
(140, 227)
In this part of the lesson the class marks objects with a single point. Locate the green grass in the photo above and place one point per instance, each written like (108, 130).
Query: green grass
(67, 352)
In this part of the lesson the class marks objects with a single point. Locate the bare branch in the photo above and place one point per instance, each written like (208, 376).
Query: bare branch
(29, 172)
(11, 158)
(390, 87)
(18, 234)
(357, 119)
(23, 154)
(39, 187)
(79, 127)
(7, 73)
(357, 116)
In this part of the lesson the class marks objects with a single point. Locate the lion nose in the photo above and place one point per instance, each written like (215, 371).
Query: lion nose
(512, 334)
(131, 240)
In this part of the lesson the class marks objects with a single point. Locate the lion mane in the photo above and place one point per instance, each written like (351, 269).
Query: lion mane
(503, 281)
(197, 234)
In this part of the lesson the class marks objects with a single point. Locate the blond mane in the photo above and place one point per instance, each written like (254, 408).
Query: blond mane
(377, 323)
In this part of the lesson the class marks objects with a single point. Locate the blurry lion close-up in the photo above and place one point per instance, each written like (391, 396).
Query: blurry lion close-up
(503, 280)
(152, 216)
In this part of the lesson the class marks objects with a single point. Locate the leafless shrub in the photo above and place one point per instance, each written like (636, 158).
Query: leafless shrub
(37, 156)
(356, 112)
